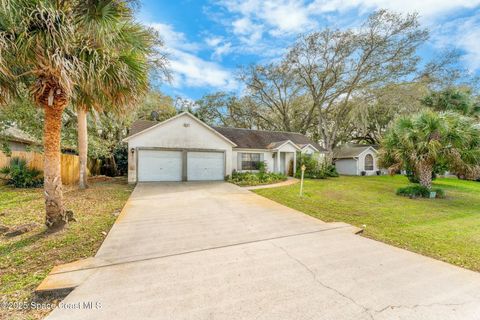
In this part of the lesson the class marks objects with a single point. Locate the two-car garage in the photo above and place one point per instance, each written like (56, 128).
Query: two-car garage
(182, 148)
(180, 165)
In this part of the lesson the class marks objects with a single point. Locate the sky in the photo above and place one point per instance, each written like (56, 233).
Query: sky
(208, 40)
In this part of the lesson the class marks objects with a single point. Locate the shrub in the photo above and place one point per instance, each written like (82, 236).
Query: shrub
(418, 191)
(314, 169)
(329, 170)
(252, 179)
(20, 175)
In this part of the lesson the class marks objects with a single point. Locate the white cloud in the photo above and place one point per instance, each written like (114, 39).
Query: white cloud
(213, 41)
(188, 68)
(172, 38)
(426, 8)
(280, 17)
(462, 34)
(193, 71)
(219, 45)
(286, 17)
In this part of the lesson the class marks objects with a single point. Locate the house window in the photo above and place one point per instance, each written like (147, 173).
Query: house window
(251, 161)
(368, 162)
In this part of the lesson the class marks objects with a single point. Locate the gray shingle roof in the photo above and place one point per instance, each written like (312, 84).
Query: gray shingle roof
(350, 151)
(244, 138)
(140, 125)
(260, 139)
(15, 134)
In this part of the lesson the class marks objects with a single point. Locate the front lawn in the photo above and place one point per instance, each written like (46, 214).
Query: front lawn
(25, 260)
(446, 229)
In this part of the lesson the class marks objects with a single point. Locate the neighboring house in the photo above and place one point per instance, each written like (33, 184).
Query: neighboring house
(183, 148)
(17, 140)
(352, 159)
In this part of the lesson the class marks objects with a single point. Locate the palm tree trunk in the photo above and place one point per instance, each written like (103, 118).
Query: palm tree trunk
(82, 146)
(55, 212)
(425, 174)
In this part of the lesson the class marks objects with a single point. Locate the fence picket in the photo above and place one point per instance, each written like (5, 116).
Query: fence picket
(70, 164)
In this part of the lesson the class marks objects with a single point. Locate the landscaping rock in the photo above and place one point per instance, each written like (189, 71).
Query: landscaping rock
(3, 229)
(21, 229)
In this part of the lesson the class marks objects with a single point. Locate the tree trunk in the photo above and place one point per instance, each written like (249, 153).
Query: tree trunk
(425, 174)
(55, 212)
(82, 146)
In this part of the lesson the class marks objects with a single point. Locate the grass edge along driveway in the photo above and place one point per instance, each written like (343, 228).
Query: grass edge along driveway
(445, 229)
(26, 260)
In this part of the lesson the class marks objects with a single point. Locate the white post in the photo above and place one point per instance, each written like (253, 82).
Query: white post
(301, 181)
(278, 162)
(294, 163)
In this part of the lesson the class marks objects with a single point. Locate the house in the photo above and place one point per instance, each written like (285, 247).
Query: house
(353, 159)
(183, 148)
(17, 140)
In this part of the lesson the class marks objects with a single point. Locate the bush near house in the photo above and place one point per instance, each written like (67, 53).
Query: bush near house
(19, 175)
(314, 168)
(256, 178)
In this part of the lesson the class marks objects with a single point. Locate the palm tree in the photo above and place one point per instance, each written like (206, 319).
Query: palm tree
(47, 46)
(428, 138)
(129, 45)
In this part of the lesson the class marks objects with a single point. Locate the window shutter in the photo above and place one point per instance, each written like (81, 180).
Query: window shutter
(239, 161)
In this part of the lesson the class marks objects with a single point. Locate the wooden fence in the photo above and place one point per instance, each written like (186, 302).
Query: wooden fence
(70, 164)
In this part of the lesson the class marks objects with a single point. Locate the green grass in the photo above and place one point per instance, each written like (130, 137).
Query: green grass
(25, 260)
(446, 229)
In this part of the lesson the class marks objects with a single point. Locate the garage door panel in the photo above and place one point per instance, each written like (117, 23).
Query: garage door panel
(203, 166)
(155, 165)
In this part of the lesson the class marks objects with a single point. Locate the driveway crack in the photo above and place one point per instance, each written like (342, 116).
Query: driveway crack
(314, 276)
(421, 306)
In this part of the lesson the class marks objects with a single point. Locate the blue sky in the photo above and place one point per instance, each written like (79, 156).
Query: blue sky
(207, 40)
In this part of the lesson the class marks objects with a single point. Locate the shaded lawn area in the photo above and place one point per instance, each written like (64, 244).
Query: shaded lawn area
(446, 229)
(25, 260)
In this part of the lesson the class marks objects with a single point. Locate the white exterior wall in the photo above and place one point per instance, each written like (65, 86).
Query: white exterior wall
(308, 150)
(354, 167)
(267, 157)
(347, 167)
(183, 132)
(361, 162)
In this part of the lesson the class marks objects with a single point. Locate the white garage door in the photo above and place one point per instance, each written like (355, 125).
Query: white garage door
(154, 165)
(202, 166)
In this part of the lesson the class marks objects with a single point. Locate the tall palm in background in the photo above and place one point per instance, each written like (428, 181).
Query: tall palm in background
(424, 140)
(52, 48)
(115, 81)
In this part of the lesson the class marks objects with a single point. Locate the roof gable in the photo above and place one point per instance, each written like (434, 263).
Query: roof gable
(260, 139)
(240, 138)
(140, 127)
(305, 146)
(351, 151)
(280, 144)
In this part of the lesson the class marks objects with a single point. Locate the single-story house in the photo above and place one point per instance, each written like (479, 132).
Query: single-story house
(353, 159)
(183, 148)
(17, 140)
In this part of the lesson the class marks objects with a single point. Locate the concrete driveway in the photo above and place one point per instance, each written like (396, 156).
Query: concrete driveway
(216, 251)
